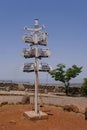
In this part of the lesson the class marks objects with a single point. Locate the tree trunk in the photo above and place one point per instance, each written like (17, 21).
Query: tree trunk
(67, 89)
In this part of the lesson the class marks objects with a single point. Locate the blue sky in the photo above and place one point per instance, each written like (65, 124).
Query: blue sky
(66, 24)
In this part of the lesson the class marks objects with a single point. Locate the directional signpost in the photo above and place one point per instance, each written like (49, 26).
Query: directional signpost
(34, 39)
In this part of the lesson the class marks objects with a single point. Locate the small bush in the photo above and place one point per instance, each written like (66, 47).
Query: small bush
(84, 87)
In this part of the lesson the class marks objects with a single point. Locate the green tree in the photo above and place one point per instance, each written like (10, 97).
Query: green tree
(84, 87)
(65, 75)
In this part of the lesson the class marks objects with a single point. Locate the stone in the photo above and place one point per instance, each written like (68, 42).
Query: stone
(21, 87)
(4, 103)
(67, 108)
(12, 122)
(74, 108)
(86, 113)
(25, 99)
(70, 108)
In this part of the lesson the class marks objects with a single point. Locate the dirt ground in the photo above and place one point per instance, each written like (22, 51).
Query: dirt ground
(12, 118)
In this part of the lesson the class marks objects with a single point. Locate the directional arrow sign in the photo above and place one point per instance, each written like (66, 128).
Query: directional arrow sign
(29, 67)
(41, 53)
(28, 53)
(36, 39)
(45, 67)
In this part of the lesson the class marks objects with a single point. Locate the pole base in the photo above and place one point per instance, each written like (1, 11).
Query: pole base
(35, 116)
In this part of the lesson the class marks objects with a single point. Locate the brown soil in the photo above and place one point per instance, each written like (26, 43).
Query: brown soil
(11, 118)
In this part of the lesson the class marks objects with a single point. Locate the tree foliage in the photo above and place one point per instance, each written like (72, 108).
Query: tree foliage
(65, 75)
(84, 87)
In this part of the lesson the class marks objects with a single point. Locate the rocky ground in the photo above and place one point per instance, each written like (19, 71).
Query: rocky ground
(59, 117)
(12, 118)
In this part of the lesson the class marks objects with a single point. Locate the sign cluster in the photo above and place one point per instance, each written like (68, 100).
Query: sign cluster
(35, 38)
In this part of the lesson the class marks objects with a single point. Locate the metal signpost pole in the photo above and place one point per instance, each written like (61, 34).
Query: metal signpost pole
(36, 81)
(36, 66)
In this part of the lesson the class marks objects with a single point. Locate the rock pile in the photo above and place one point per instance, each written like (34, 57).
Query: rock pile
(70, 108)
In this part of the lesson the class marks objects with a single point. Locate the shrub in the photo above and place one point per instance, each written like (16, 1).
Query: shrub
(84, 87)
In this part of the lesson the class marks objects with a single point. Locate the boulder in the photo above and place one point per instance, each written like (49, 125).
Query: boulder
(74, 108)
(21, 87)
(86, 113)
(25, 99)
(4, 103)
(70, 108)
(67, 108)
